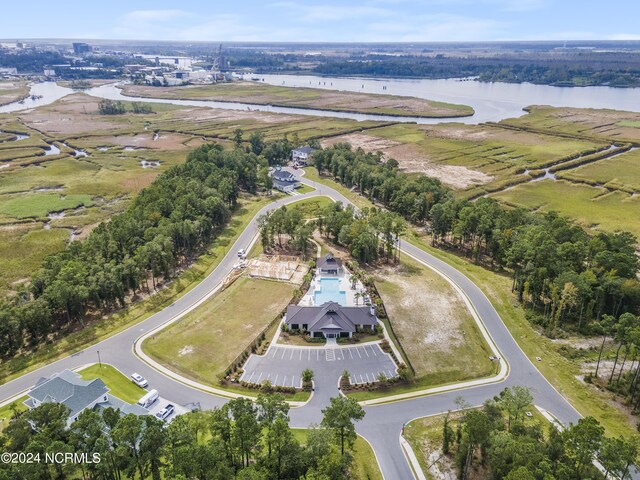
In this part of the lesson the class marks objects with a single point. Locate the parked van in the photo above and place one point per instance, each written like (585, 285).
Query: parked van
(148, 399)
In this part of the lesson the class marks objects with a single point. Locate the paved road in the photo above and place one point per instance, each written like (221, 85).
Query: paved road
(383, 424)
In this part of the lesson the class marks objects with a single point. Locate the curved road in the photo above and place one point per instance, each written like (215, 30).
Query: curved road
(383, 424)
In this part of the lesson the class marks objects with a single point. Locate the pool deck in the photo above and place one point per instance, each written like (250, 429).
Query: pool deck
(345, 285)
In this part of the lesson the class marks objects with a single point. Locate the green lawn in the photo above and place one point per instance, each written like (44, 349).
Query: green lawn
(21, 364)
(39, 205)
(204, 343)
(311, 207)
(6, 413)
(305, 189)
(365, 466)
(118, 383)
(312, 174)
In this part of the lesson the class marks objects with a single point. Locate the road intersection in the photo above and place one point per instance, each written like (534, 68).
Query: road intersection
(383, 424)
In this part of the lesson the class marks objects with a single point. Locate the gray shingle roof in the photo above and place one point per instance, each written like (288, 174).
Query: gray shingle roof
(329, 262)
(69, 388)
(284, 176)
(330, 316)
(125, 408)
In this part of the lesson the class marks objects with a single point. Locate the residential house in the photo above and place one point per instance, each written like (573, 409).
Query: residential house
(329, 265)
(284, 181)
(302, 156)
(331, 320)
(70, 389)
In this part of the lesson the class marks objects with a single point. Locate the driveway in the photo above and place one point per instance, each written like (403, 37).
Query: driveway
(283, 365)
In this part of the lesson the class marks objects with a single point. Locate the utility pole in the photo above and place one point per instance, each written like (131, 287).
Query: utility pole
(99, 361)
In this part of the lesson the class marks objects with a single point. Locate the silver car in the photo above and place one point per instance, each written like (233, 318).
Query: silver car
(139, 380)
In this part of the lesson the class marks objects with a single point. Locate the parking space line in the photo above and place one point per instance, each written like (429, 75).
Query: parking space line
(365, 351)
(291, 356)
(258, 381)
(361, 380)
(300, 356)
(308, 354)
(293, 380)
(275, 350)
(275, 382)
(350, 353)
(373, 349)
(390, 374)
(317, 354)
(252, 374)
(283, 352)
(358, 352)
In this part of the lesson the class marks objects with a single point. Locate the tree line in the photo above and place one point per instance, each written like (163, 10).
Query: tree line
(162, 230)
(115, 107)
(569, 69)
(567, 277)
(497, 442)
(241, 439)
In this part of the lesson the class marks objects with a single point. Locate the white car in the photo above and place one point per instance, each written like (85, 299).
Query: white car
(139, 380)
(166, 412)
(242, 253)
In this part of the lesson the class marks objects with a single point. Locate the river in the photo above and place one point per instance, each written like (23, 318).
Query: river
(491, 101)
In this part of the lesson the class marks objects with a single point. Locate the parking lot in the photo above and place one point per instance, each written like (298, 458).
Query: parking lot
(283, 365)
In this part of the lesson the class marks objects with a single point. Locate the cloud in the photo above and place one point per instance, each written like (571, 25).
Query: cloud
(153, 15)
(433, 28)
(624, 36)
(330, 13)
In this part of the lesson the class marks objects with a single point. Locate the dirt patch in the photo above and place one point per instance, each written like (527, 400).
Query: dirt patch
(278, 267)
(435, 324)
(368, 143)
(580, 342)
(412, 160)
(606, 367)
(186, 350)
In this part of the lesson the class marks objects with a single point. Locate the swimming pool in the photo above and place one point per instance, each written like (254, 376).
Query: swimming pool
(329, 291)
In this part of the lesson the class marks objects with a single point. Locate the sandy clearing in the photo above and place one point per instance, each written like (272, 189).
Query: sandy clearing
(368, 143)
(435, 322)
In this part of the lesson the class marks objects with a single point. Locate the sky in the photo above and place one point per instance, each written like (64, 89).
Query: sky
(323, 20)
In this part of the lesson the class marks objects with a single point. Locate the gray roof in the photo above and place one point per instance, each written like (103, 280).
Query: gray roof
(306, 150)
(329, 262)
(279, 183)
(69, 388)
(284, 176)
(330, 316)
(125, 408)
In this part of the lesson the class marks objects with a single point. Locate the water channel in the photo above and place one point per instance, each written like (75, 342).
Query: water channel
(491, 101)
